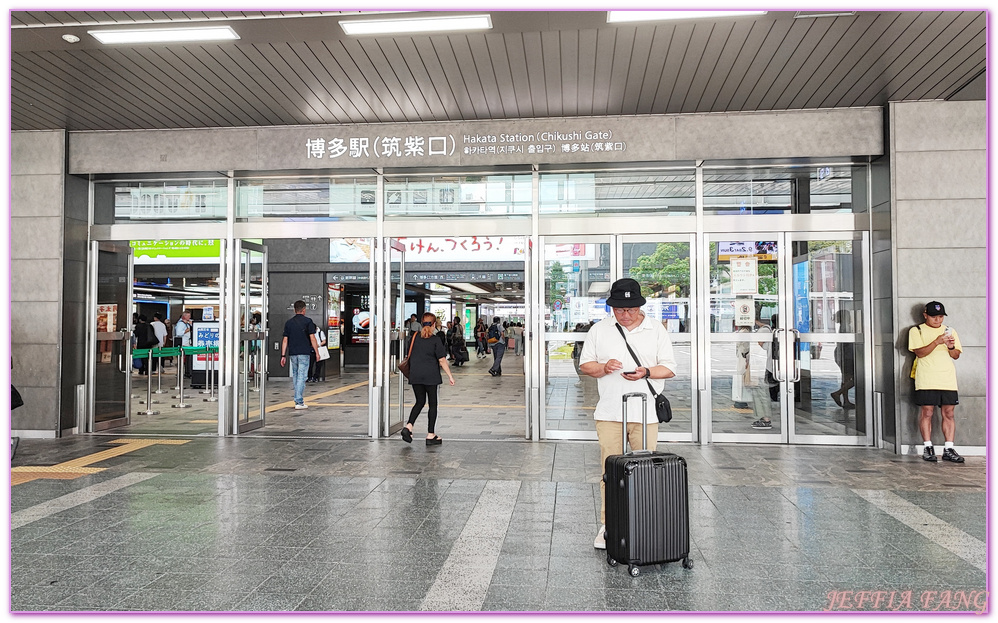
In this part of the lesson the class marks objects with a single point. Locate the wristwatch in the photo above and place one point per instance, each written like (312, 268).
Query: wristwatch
(647, 373)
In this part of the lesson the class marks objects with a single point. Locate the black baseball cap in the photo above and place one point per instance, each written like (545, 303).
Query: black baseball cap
(625, 293)
(934, 308)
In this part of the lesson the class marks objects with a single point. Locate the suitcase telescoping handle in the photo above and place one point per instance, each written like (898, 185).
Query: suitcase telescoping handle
(644, 420)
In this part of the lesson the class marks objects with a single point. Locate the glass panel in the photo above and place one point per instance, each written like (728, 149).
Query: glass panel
(475, 195)
(397, 413)
(742, 392)
(663, 270)
(151, 202)
(113, 331)
(576, 282)
(250, 318)
(341, 197)
(612, 191)
(744, 282)
(832, 189)
(828, 304)
(744, 289)
(778, 190)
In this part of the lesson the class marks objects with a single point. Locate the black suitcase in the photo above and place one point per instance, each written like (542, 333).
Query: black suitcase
(647, 505)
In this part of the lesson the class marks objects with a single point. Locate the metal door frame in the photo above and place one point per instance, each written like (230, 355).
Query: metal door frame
(93, 337)
(236, 336)
(788, 337)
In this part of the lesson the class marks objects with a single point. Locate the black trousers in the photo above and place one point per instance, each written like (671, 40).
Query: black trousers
(423, 394)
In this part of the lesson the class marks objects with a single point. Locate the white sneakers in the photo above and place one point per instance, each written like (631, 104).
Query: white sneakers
(600, 542)
(301, 406)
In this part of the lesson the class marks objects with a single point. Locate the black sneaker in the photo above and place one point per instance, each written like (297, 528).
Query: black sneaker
(929, 454)
(949, 454)
(762, 424)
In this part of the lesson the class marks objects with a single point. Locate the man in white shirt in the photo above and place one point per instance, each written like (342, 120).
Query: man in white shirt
(160, 330)
(182, 337)
(606, 358)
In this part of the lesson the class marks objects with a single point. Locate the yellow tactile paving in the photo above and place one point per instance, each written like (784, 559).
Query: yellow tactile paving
(78, 467)
(309, 400)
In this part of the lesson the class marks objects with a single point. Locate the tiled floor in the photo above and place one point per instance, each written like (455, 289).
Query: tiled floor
(305, 524)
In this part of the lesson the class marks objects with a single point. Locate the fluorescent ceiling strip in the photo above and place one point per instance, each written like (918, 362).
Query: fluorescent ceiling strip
(416, 24)
(164, 35)
(616, 17)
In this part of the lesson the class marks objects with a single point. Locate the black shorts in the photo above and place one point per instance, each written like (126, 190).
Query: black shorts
(936, 397)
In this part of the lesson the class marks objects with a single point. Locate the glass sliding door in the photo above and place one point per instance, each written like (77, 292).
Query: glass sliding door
(829, 310)
(110, 322)
(575, 281)
(250, 323)
(395, 414)
(786, 349)
(662, 265)
(745, 365)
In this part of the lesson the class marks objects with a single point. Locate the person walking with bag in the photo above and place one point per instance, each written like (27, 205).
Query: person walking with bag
(481, 347)
(606, 357)
(426, 356)
(497, 343)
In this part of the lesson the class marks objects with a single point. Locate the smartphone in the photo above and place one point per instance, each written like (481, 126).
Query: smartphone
(948, 332)
(629, 372)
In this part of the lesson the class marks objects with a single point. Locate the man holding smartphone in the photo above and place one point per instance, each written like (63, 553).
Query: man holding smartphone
(605, 357)
(936, 347)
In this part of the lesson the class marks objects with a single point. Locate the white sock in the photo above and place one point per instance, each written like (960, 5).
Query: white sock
(948, 444)
(927, 444)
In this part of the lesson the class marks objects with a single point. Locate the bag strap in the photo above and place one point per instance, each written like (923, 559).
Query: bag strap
(411, 344)
(635, 357)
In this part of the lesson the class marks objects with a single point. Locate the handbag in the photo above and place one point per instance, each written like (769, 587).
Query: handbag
(663, 408)
(15, 398)
(404, 364)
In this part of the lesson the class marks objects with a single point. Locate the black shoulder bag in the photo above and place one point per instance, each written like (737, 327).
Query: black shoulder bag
(663, 409)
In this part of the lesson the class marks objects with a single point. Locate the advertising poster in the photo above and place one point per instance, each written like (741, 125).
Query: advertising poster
(333, 296)
(205, 334)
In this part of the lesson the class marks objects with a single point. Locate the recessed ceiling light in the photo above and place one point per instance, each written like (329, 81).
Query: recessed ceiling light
(617, 17)
(165, 35)
(416, 24)
(70, 38)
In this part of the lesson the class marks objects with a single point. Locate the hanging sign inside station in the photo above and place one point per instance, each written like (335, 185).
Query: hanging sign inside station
(176, 251)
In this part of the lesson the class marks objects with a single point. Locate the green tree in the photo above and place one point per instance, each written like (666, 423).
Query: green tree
(668, 267)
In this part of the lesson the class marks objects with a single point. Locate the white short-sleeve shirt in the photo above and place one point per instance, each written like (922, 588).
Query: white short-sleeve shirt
(649, 340)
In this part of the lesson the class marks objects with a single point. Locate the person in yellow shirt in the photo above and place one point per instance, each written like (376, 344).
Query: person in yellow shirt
(936, 347)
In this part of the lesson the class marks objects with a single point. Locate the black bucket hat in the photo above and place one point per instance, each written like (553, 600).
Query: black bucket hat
(625, 293)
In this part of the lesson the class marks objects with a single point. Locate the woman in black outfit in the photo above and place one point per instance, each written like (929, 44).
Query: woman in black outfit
(426, 357)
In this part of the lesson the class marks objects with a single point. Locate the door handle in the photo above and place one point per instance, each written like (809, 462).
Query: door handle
(777, 360)
(796, 353)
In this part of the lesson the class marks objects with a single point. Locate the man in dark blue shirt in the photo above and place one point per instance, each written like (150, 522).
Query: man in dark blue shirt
(299, 342)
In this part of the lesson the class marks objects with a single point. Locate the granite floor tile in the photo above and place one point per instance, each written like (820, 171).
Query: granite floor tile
(371, 526)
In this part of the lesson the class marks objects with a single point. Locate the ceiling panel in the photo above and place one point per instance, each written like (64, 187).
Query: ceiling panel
(297, 67)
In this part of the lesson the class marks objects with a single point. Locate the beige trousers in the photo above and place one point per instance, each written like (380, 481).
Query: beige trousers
(610, 443)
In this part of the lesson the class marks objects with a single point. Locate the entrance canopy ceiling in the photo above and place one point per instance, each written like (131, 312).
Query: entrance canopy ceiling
(293, 67)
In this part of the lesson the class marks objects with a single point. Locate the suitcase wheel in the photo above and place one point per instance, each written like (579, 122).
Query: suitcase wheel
(633, 570)
(687, 563)
(610, 561)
